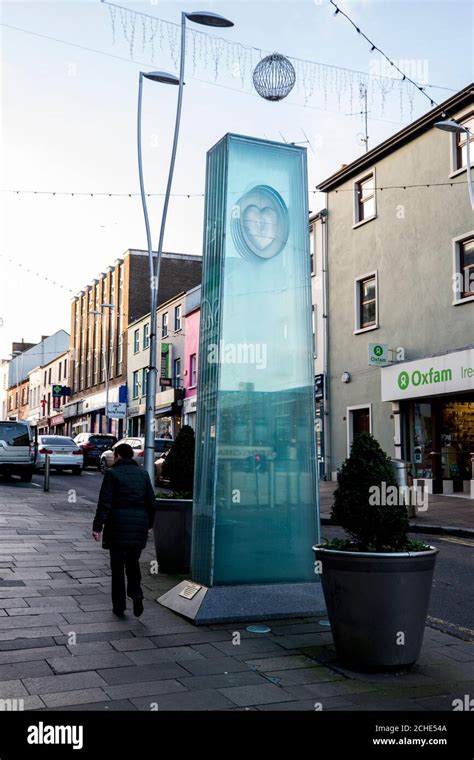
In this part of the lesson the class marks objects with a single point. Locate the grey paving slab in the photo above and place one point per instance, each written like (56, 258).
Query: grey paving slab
(190, 638)
(31, 621)
(32, 653)
(137, 674)
(7, 604)
(54, 602)
(298, 641)
(84, 638)
(21, 644)
(285, 662)
(90, 648)
(15, 688)
(57, 683)
(76, 663)
(165, 654)
(30, 633)
(132, 644)
(75, 697)
(106, 627)
(300, 676)
(112, 706)
(204, 667)
(147, 689)
(246, 696)
(248, 647)
(223, 680)
(205, 699)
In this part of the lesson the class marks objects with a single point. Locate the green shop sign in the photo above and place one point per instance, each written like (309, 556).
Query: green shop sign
(417, 378)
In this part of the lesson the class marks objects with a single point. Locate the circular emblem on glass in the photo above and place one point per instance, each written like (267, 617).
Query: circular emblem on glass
(260, 223)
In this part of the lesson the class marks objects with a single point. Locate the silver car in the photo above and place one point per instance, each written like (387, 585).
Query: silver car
(64, 454)
(138, 445)
(17, 449)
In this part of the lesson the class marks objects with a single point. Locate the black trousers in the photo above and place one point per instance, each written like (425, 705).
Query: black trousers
(125, 561)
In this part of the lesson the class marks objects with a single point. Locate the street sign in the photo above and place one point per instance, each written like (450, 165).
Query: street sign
(319, 386)
(378, 354)
(116, 410)
(165, 381)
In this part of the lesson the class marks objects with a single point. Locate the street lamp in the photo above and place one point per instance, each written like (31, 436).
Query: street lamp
(106, 360)
(205, 19)
(449, 125)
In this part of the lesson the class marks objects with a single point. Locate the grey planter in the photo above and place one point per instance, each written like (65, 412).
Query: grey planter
(377, 604)
(172, 534)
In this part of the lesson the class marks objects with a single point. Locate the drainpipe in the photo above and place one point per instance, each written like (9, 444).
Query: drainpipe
(326, 421)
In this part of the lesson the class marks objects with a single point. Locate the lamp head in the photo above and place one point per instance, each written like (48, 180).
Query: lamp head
(449, 125)
(206, 18)
(160, 76)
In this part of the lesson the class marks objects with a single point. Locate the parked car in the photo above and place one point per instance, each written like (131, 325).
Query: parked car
(138, 446)
(17, 449)
(64, 454)
(92, 445)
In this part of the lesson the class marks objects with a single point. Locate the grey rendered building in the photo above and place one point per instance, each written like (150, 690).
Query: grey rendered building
(400, 253)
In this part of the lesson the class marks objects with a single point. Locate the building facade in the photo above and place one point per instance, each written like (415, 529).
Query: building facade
(171, 337)
(46, 406)
(100, 318)
(400, 251)
(192, 314)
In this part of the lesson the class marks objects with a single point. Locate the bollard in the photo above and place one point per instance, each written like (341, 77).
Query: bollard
(46, 473)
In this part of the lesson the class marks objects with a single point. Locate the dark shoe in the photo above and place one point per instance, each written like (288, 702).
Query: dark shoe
(137, 607)
(119, 613)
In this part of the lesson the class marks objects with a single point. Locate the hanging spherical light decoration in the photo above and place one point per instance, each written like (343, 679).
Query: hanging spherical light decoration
(274, 77)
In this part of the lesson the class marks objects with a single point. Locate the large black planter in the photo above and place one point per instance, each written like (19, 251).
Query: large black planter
(377, 604)
(172, 534)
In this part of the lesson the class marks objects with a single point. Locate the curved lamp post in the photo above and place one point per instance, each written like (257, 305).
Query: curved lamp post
(449, 125)
(206, 19)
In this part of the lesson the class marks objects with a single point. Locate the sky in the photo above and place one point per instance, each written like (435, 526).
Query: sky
(68, 113)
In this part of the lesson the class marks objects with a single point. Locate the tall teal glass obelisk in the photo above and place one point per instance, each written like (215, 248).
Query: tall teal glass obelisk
(255, 512)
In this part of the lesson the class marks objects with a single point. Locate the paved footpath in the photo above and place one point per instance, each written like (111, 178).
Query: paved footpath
(62, 648)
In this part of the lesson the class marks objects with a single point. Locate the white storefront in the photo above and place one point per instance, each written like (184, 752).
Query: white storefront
(433, 406)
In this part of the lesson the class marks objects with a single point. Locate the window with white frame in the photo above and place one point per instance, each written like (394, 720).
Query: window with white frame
(463, 276)
(164, 325)
(313, 316)
(460, 138)
(366, 302)
(312, 247)
(146, 335)
(364, 191)
(135, 384)
(177, 318)
(144, 380)
(193, 369)
(177, 373)
(136, 341)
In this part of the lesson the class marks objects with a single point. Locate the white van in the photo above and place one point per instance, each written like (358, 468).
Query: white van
(17, 449)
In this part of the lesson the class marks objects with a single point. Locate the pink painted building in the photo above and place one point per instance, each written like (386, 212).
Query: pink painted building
(192, 313)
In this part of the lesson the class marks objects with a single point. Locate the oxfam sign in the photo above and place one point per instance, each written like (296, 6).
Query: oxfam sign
(417, 378)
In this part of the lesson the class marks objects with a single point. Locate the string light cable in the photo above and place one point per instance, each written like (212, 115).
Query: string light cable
(53, 193)
(374, 47)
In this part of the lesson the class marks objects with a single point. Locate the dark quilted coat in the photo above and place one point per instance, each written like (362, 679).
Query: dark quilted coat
(126, 507)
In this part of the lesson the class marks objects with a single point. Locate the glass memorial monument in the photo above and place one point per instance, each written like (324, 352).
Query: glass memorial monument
(256, 505)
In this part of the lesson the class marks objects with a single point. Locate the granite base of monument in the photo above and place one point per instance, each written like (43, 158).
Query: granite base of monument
(244, 603)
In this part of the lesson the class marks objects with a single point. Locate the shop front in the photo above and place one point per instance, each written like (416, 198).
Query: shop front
(167, 415)
(435, 396)
(190, 411)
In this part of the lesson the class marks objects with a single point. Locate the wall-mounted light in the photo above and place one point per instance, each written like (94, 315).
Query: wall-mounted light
(346, 377)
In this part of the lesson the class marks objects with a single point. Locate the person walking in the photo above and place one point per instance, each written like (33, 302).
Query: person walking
(125, 514)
